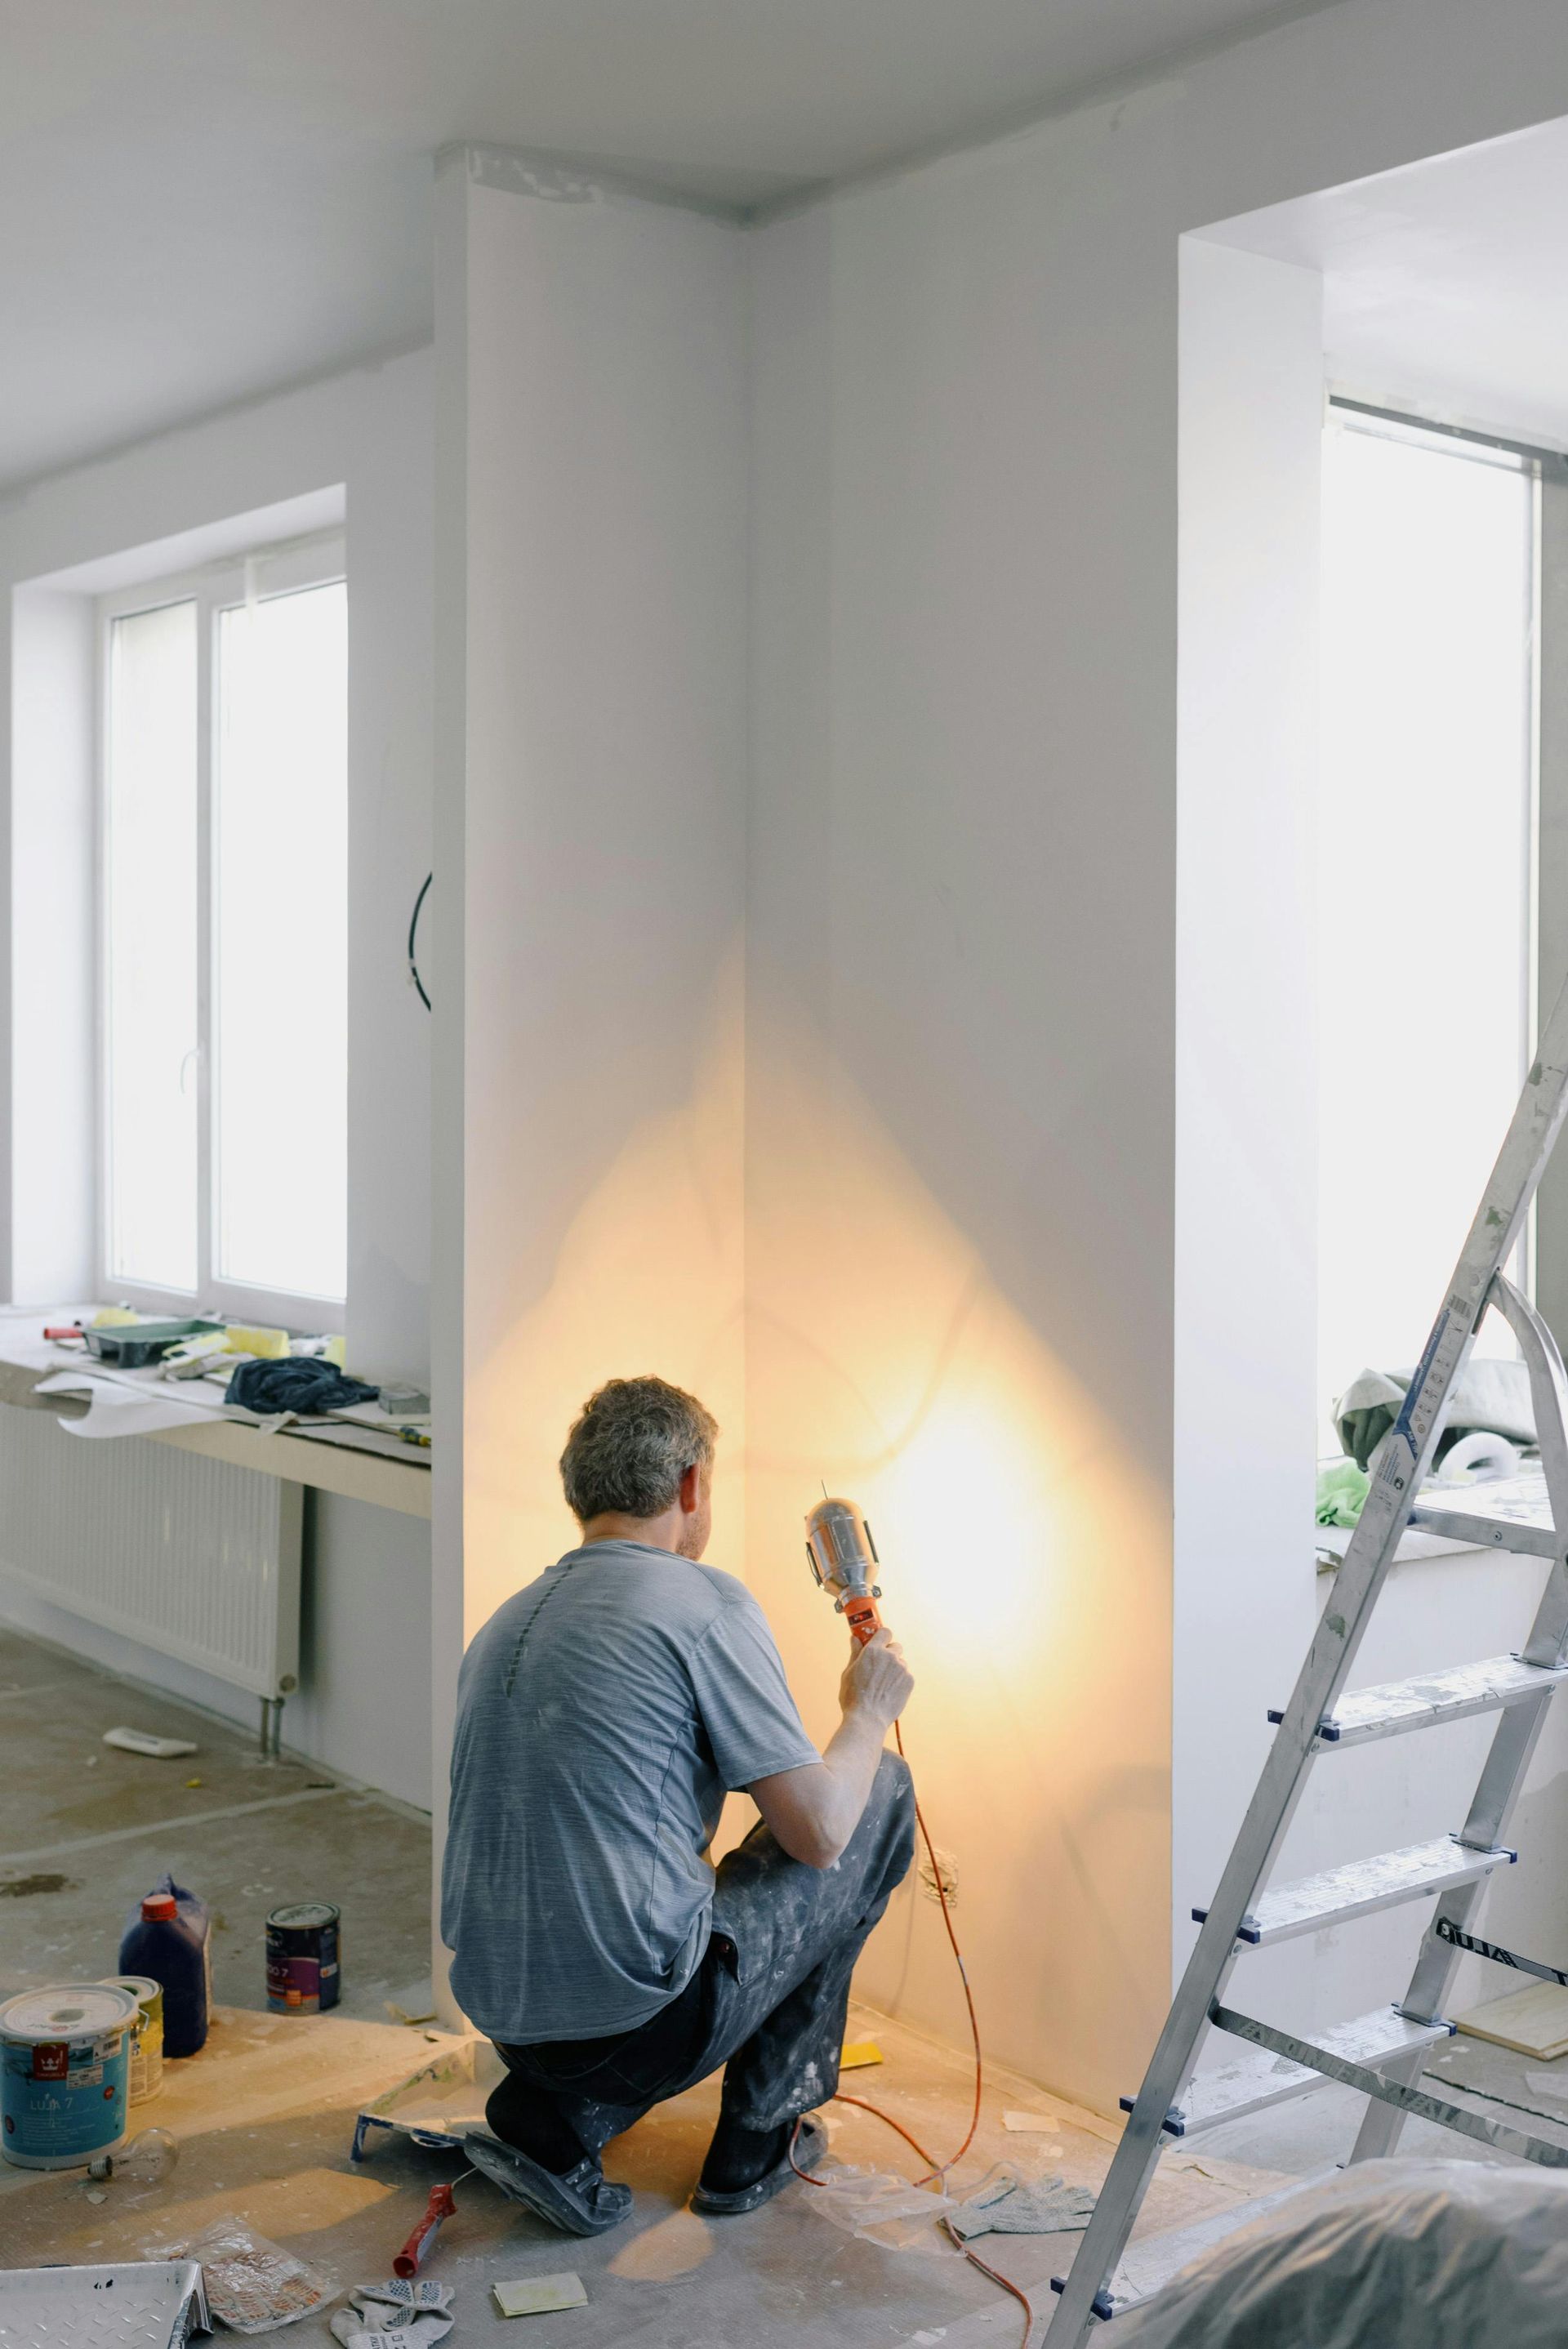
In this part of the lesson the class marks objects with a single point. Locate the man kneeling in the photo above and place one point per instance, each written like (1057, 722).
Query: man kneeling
(603, 1714)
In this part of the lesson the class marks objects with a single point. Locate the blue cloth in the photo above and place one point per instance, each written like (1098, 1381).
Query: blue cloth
(302, 1382)
(603, 1714)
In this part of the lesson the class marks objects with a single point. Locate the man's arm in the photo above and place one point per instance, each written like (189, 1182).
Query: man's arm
(812, 1812)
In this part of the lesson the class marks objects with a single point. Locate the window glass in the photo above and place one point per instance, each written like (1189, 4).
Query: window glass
(280, 832)
(1424, 877)
(150, 912)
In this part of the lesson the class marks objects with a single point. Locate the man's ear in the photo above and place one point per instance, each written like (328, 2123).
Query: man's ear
(691, 1489)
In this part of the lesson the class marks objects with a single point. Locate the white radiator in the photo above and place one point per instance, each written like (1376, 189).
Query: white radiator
(192, 1557)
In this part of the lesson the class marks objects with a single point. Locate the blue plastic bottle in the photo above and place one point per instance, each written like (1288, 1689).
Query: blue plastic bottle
(167, 1936)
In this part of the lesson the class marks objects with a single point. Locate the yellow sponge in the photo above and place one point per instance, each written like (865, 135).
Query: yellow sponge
(115, 1317)
(268, 1345)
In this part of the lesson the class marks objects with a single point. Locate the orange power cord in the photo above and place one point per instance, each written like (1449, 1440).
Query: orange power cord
(936, 2170)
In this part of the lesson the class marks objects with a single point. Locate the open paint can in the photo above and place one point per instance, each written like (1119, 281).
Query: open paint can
(302, 1958)
(145, 2074)
(64, 2057)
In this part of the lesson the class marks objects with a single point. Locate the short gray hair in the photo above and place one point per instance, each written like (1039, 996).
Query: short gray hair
(631, 1444)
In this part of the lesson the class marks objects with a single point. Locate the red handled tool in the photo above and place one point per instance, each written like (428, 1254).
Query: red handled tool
(411, 2258)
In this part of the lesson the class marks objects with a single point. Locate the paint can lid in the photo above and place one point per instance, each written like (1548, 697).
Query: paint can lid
(159, 1906)
(142, 1987)
(69, 2011)
(303, 1916)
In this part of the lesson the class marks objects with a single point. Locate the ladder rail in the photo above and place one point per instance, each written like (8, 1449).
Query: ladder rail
(1405, 1455)
(1514, 1741)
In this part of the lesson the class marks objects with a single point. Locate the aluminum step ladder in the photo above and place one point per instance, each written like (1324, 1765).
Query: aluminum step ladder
(1381, 2053)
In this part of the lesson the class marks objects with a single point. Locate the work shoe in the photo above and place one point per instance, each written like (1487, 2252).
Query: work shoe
(581, 2202)
(810, 2143)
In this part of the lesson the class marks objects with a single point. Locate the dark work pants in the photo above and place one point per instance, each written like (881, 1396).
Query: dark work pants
(768, 1999)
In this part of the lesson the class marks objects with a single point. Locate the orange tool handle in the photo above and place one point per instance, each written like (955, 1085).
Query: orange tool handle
(860, 1613)
(410, 2258)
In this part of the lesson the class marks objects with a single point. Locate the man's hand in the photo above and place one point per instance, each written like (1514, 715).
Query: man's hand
(814, 1811)
(877, 1681)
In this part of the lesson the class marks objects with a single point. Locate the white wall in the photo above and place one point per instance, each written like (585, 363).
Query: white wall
(361, 443)
(591, 796)
(970, 1141)
(959, 1077)
(1245, 1416)
(964, 1085)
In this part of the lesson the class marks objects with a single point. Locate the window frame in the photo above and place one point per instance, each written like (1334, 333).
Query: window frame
(289, 567)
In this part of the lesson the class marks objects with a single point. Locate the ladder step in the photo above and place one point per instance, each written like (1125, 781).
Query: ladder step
(1391, 1707)
(1254, 2081)
(1360, 1885)
(1514, 1514)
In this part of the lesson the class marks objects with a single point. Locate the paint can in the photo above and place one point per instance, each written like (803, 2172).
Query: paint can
(146, 2068)
(65, 2057)
(302, 1958)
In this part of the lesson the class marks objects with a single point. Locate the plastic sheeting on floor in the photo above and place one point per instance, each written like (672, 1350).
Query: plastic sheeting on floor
(1391, 2255)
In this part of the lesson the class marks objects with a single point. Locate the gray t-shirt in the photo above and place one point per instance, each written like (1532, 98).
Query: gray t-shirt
(603, 1714)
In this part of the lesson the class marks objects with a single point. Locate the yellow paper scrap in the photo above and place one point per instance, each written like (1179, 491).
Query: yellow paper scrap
(1041, 2124)
(540, 2295)
(858, 2052)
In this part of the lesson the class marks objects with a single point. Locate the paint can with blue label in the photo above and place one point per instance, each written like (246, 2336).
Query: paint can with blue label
(302, 1958)
(64, 2060)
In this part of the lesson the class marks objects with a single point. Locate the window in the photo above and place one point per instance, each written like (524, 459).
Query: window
(1425, 871)
(224, 908)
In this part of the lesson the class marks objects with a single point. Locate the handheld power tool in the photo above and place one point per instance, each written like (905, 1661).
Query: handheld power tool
(843, 1559)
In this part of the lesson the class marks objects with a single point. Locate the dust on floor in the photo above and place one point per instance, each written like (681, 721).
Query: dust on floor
(86, 1828)
(264, 2120)
(263, 2117)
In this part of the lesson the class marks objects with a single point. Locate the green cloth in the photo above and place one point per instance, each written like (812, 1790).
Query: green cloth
(1341, 1490)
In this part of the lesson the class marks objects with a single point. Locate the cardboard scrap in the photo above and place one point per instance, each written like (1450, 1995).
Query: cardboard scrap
(1532, 2021)
(858, 2052)
(1057, 2113)
(540, 2295)
(1034, 2124)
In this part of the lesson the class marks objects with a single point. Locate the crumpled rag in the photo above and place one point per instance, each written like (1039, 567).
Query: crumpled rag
(298, 1382)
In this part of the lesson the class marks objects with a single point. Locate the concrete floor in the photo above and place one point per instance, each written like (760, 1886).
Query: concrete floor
(86, 1829)
(264, 2116)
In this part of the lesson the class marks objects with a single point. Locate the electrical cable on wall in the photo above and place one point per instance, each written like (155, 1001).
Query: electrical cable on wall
(414, 937)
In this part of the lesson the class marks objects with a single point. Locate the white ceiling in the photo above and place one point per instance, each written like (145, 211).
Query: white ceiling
(1445, 285)
(203, 199)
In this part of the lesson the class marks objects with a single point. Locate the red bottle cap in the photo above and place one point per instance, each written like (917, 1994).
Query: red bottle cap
(159, 1904)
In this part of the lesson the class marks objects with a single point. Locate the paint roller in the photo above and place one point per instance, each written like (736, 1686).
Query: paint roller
(843, 1559)
(439, 2207)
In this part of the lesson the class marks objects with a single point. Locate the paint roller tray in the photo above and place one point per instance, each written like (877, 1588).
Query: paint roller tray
(438, 2102)
(137, 2304)
(131, 1346)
